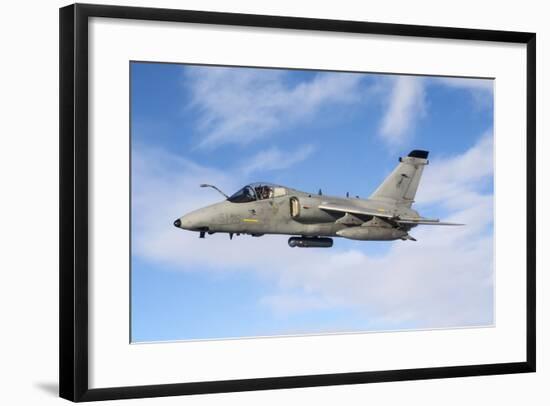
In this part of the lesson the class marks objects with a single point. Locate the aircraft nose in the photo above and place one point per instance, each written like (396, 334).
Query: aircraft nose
(192, 221)
(201, 219)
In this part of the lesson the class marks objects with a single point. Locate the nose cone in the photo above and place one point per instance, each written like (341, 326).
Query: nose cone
(195, 221)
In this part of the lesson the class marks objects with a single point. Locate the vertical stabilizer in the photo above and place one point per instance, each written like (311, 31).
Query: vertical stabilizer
(401, 185)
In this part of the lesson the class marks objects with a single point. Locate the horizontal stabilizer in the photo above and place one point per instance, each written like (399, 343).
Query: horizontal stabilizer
(426, 222)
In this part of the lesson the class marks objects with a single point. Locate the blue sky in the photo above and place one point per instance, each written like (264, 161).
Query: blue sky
(342, 132)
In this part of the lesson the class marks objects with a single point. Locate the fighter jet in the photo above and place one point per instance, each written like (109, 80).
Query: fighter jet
(311, 219)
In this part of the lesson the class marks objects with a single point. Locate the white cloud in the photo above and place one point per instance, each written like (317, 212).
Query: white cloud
(274, 159)
(238, 106)
(285, 303)
(407, 102)
(444, 279)
(452, 183)
(406, 106)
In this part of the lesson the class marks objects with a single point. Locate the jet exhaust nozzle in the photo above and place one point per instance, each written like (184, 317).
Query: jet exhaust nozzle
(310, 242)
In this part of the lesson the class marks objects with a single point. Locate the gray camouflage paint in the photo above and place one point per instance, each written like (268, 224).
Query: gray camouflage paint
(385, 215)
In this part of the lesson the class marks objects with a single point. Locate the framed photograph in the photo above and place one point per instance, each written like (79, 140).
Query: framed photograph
(256, 202)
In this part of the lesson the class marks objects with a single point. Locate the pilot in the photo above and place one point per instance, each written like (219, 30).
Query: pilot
(265, 192)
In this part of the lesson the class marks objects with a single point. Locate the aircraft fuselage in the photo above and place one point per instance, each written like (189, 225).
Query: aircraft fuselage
(295, 213)
(263, 208)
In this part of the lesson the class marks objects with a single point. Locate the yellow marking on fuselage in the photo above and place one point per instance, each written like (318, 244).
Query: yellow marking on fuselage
(250, 220)
(380, 209)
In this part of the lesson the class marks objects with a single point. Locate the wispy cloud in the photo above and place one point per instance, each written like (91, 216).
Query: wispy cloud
(407, 103)
(406, 106)
(239, 106)
(444, 279)
(276, 159)
(453, 182)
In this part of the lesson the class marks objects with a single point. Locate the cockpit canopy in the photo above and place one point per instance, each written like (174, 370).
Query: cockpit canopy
(257, 191)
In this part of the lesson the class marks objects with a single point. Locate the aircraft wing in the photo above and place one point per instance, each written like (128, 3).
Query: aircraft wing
(354, 210)
(381, 213)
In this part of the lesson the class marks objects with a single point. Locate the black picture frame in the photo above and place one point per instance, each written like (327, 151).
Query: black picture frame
(73, 254)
